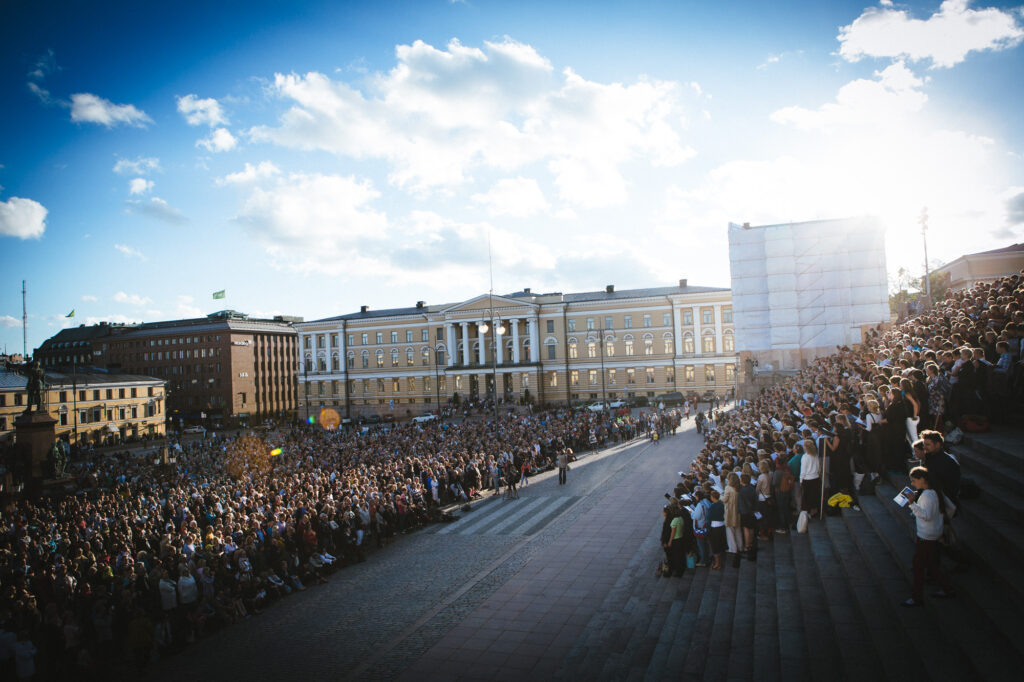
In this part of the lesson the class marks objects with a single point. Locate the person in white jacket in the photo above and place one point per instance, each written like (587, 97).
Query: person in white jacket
(931, 509)
(810, 478)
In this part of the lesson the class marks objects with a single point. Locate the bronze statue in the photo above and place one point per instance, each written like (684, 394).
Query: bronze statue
(36, 387)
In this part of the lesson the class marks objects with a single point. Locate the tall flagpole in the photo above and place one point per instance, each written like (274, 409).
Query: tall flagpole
(24, 325)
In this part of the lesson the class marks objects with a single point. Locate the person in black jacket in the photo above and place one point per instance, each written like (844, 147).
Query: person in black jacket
(941, 465)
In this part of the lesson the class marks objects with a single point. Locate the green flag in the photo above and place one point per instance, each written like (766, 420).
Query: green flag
(218, 294)
(71, 314)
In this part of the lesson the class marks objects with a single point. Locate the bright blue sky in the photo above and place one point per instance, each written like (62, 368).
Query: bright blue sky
(312, 160)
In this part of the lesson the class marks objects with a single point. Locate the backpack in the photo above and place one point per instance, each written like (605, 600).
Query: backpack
(786, 484)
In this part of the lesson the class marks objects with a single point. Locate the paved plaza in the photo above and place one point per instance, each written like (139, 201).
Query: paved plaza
(511, 589)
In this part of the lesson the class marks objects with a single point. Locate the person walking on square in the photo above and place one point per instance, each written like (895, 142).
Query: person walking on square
(563, 466)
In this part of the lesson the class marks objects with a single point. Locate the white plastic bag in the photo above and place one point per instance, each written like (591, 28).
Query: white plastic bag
(802, 521)
(955, 436)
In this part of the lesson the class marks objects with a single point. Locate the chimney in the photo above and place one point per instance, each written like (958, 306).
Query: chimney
(363, 308)
(682, 283)
(526, 290)
(610, 289)
(420, 304)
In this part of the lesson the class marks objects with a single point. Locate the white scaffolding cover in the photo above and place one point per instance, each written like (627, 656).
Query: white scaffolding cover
(807, 286)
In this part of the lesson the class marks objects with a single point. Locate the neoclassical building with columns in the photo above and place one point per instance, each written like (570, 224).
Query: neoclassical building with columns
(552, 348)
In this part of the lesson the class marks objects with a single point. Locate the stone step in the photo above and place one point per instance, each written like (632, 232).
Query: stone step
(720, 650)
(792, 647)
(1005, 445)
(1000, 485)
(889, 640)
(996, 532)
(891, 587)
(766, 619)
(742, 652)
(677, 631)
(823, 653)
(851, 633)
(691, 659)
(969, 624)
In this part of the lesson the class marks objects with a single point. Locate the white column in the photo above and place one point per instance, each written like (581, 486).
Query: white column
(697, 330)
(534, 326)
(499, 350)
(465, 343)
(677, 319)
(514, 323)
(482, 337)
(718, 327)
(449, 334)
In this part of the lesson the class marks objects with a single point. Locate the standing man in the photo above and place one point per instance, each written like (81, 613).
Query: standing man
(563, 466)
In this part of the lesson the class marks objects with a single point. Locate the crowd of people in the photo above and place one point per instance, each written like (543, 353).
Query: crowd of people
(816, 441)
(154, 554)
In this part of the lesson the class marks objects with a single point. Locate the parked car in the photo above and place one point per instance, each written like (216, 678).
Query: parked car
(637, 401)
(616, 404)
(670, 399)
(424, 418)
(596, 407)
(195, 429)
(373, 419)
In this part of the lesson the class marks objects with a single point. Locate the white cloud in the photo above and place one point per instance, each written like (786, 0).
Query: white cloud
(892, 95)
(8, 321)
(89, 299)
(184, 308)
(130, 252)
(156, 208)
(131, 299)
(250, 174)
(42, 93)
(440, 114)
(220, 140)
(945, 38)
(22, 218)
(517, 197)
(89, 108)
(142, 165)
(139, 185)
(201, 111)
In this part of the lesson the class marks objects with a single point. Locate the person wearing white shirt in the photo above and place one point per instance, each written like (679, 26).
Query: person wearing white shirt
(931, 508)
(810, 478)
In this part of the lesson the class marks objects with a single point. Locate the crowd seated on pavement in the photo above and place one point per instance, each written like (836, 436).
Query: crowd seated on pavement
(153, 555)
(816, 441)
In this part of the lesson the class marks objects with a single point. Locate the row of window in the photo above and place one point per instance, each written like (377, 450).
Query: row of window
(83, 395)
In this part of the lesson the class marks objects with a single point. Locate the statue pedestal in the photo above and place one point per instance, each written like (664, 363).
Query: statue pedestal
(35, 433)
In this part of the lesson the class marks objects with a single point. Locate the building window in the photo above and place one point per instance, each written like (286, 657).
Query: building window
(670, 374)
(63, 418)
(574, 377)
(572, 324)
(439, 334)
(63, 396)
(688, 344)
(730, 372)
(351, 339)
(366, 386)
(380, 337)
(426, 385)
(365, 339)
(648, 345)
(688, 317)
(592, 377)
(334, 387)
(425, 357)
(707, 344)
(666, 319)
(553, 379)
(609, 349)
(708, 316)
(439, 356)
(728, 343)
(322, 364)
(611, 377)
(335, 363)
(110, 394)
(380, 358)
(590, 323)
(408, 336)
(321, 388)
(573, 351)
(525, 381)
(668, 345)
(627, 321)
(306, 343)
(629, 347)
(709, 374)
(366, 360)
(650, 375)
(409, 358)
(394, 358)
(630, 375)
(727, 315)
(411, 382)
(550, 326)
(458, 382)
(688, 374)
(552, 351)
(591, 349)
(647, 320)
(320, 341)
(608, 323)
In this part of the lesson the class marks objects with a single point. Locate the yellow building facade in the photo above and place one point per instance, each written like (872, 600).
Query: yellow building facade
(89, 406)
(552, 348)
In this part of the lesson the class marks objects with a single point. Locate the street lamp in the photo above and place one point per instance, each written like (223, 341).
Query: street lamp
(499, 331)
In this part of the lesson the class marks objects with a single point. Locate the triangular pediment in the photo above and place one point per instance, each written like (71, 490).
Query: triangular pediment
(486, 302)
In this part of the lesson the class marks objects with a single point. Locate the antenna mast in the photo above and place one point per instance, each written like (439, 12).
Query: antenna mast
(24, 325)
